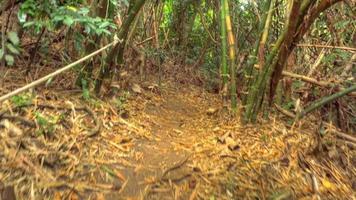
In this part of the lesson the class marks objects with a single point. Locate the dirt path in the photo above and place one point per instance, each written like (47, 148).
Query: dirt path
(160, 161)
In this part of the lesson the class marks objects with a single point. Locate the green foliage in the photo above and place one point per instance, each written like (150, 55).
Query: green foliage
(120, 101)
(85, 89)
(21, 100)
(47, 124)
(336, 54)
(289, 105)
(12, 47)
(50, 15)
(39, 15)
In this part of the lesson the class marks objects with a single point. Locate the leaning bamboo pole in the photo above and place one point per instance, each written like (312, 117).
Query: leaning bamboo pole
(325, 100)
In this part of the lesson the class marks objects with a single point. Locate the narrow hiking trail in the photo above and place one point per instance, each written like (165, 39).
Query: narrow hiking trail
(173, 119)
(164, 143)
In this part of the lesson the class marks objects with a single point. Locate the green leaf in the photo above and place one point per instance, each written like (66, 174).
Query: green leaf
(27, 24)
(9, 59)
(85, 90)
(68, 21)
(21, 100)
(48, 82)
(22, 16)
(13, 38)
(58, 18)
(12, 49)
(106, 32)
(104, 24)
(1, 53)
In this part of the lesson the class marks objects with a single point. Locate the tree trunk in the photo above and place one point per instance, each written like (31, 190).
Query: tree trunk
(116, 54)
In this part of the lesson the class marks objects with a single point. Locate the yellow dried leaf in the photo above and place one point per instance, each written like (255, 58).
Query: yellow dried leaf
(57, 196)
(327, 184)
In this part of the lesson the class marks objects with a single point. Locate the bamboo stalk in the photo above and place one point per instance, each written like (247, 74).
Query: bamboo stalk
(232, 56)
(257, 88)
(251, 73)
(116, 54)
(325, 100)
(264, 37)
(224, 67)
(3, 37)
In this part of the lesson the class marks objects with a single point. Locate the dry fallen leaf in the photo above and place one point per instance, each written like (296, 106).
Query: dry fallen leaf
(136, 88)
(12, 129)
(328, 185)
(100, 196)
(211, 111)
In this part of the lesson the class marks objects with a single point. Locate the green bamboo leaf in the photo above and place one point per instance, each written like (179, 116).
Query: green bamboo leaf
(12, 49)
(22, 16)
(13, 38)
(68, 21)
(27, 24)
(104, 24)
(1, 53)
(9, 60)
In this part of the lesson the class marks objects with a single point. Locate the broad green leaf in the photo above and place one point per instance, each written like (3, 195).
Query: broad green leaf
(12, 49)
(106, 31)
(58, 18)
(9, 59)
(104, 24)
(13, 38)
(68, 21)
(83, 11)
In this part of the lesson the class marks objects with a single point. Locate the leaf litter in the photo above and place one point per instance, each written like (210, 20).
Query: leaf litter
(175, 144)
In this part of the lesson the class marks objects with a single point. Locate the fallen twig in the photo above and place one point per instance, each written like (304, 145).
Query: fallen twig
(174, 167)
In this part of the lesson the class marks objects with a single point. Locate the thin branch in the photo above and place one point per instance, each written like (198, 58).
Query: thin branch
(316, 82)
(327, 46)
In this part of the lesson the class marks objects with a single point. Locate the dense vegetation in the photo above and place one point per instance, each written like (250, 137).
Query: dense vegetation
(245, 44)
